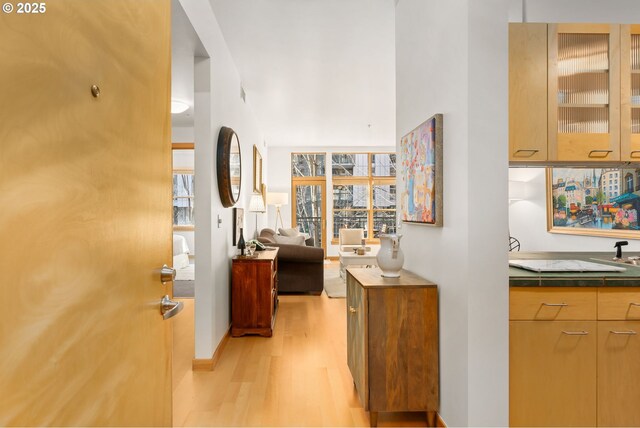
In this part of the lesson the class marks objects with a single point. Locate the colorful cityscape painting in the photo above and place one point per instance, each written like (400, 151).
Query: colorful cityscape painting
(600, 201)
(421, 173)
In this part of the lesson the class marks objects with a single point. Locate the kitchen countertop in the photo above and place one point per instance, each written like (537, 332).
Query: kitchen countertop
(524, 278)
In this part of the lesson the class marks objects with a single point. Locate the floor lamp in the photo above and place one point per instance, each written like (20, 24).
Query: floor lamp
(256, 205)
(278, 200)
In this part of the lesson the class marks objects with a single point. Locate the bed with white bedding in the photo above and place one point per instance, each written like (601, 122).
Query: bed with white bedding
(184, 284)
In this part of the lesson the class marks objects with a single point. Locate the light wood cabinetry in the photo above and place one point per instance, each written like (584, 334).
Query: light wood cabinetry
(392, 342)
(254, 293)
(630, 93)
(528, 92)
(574, 356)
(618, 356)
(552, 373)
(584, 92)
(590, 108)
(618, 373)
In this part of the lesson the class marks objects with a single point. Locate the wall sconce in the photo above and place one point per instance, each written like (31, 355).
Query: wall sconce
(518, 190)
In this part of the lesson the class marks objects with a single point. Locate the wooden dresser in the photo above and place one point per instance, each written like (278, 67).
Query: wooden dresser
(254, 293)
(392, 342)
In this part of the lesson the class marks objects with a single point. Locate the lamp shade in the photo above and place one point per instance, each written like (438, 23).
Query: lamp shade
(275, 198)
(256, 204)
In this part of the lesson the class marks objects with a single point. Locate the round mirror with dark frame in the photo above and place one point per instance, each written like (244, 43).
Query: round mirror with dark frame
(229, 166)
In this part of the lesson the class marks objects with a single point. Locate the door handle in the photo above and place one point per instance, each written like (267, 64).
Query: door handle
(169, 308)
(167, 274)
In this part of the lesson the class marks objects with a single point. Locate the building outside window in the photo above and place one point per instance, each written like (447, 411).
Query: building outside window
(364, 192)
(183, 198)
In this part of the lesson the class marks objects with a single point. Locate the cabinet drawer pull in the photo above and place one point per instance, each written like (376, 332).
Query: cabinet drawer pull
(601, 153)
(575, 333)
(628, 333)
(531, 151)
(352, 309)
(633, 154)
(555, 304)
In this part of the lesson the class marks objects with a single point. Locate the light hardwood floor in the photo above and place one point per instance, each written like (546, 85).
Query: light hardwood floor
(298, 377)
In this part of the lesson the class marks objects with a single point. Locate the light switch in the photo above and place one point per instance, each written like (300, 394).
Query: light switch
(219, 221)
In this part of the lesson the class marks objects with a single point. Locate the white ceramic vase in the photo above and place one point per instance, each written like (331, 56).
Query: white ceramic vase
(390, 257)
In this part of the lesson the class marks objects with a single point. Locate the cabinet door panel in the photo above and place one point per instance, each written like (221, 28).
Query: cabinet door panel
(403, 349)
(356, 338)
(552, 373)
(546, 304)
(621, 304)
(527, 92)
(630, 92)
(584, 92)
(618, 373)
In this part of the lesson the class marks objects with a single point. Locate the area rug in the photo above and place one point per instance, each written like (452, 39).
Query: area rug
(184, 289)
(334, 286)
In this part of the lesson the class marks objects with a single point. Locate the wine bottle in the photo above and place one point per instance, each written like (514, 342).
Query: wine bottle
(241, 243)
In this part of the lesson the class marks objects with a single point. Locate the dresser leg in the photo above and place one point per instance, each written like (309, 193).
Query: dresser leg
(432, 419)
(373, 419)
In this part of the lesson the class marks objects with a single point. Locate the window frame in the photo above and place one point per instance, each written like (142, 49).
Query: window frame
(190, 171)
(370, 181)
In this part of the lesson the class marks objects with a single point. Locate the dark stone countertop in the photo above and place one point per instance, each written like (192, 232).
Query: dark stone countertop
(524, 278)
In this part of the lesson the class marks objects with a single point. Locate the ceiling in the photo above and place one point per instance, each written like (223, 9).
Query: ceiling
(316, 72)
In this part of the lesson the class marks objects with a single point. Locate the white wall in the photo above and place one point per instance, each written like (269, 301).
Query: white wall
(528, 220)
(217, 104)
(182, 134)
(279, 180)
(610, 11)
(452, 59)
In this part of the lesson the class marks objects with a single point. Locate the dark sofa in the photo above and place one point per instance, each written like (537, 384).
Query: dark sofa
(300, 267)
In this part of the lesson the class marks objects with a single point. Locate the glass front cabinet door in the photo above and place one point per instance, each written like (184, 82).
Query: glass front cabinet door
(584, 92)
(630, 93)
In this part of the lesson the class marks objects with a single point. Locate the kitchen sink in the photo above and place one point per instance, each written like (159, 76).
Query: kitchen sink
(634, 260)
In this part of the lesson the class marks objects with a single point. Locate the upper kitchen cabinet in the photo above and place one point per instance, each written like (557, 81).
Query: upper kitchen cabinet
(630, 93)
(584, 92)
(527, 93)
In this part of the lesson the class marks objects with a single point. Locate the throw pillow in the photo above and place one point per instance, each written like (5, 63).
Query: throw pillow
(289, 232)
(295, 240)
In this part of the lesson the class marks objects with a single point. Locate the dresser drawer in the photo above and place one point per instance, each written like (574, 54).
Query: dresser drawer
(620, 303)
(552, 303)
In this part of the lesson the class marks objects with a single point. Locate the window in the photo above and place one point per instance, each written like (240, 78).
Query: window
(364, 192)
(629, 183)
(307, 164)
(183, 196)
(308, 186)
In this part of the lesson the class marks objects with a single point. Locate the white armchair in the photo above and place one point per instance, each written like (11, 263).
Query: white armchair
(350, 239)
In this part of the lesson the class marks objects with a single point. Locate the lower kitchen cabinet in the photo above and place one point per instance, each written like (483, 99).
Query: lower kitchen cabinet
(618, 373)
(583, 371)
(552, 373)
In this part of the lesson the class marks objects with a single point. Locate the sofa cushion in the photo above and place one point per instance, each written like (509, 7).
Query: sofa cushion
(294, 240)
(289, 232)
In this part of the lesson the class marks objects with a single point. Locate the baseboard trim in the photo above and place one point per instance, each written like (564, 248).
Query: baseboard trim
(333, 258)
(208, 364)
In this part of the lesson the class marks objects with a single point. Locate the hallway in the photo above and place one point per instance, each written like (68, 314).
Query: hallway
(299, 377)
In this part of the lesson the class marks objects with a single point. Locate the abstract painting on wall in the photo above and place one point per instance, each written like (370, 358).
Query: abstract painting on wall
(421, 173)
(594, 201)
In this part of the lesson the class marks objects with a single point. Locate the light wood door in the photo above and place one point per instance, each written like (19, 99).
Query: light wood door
(584, 92)
(618, 373)
(85, 224)
(552, 373)
(630, 93)
(527, 92)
